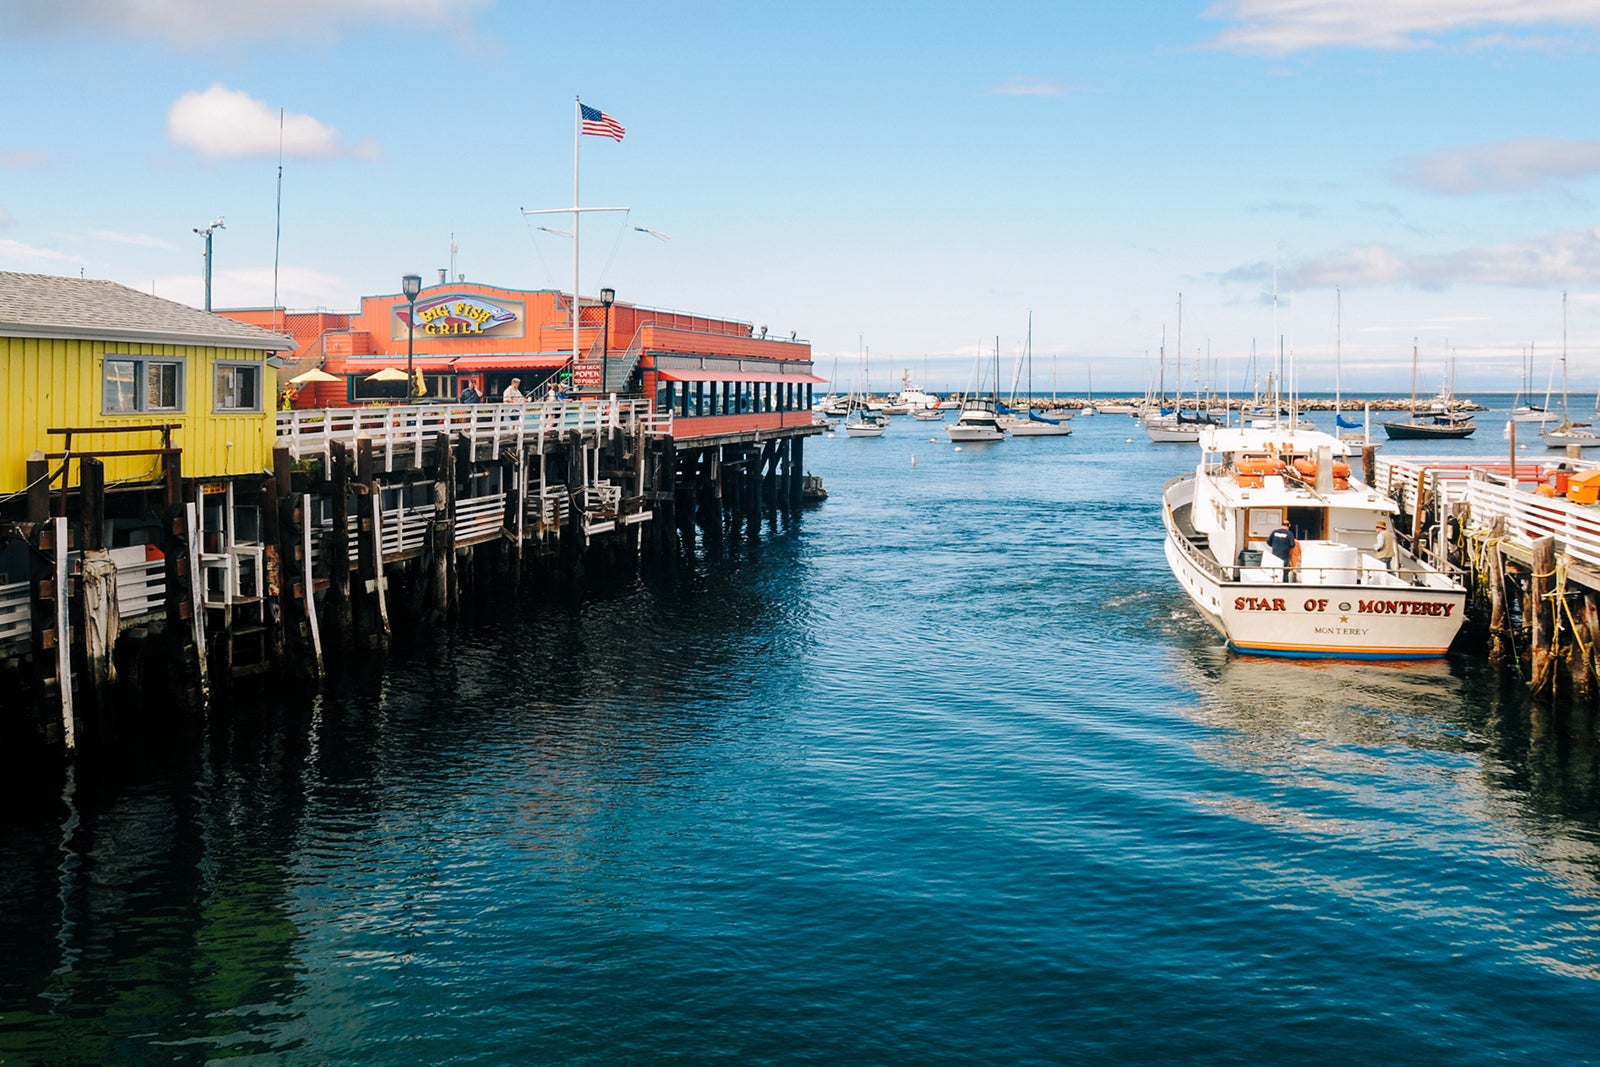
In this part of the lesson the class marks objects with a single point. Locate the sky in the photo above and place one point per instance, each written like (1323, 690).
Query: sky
(1324, 183)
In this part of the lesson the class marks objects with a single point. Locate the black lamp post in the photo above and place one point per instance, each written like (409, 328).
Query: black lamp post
(607, 298)
(411, 285)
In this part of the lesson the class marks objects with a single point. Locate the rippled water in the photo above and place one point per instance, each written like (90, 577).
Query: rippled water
(951, 774)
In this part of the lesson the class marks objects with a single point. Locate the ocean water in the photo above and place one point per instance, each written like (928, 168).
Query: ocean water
(948, 772)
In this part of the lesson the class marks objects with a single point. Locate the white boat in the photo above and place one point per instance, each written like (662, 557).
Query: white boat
(1341, 601)
(866, 421)
(978, 421)
(1174, 427)
(915, 398)
(980, 415)
(1115, 408)
(1568, 434)
(1523, 409)
(933, 414)
(1028, 423)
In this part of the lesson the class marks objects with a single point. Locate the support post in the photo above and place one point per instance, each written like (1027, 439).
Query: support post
(1542, 615)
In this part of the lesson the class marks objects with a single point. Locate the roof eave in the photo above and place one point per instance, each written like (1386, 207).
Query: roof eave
(268, 343)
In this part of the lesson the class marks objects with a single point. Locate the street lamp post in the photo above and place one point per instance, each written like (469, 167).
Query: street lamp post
(411, 285)
(607, 298)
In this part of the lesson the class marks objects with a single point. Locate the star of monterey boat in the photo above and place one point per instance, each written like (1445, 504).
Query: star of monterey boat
(1340, 601)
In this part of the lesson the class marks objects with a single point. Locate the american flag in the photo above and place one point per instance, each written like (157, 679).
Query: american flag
(599, 123)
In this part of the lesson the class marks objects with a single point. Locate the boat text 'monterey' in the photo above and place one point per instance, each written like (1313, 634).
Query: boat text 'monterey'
(1341, 598)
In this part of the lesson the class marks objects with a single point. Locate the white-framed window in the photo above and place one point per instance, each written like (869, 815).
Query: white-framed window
(238, 386)
(131, 384)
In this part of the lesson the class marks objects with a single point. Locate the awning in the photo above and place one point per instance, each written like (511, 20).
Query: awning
(705, 374)
(436, 364)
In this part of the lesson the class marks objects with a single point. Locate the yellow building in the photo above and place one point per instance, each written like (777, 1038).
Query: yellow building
(96, 356)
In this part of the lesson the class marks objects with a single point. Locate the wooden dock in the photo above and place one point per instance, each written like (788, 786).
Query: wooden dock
(371, 518)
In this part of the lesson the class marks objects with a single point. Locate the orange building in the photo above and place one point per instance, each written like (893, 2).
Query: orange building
(717, 376)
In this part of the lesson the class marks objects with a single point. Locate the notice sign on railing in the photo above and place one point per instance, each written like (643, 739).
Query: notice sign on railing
(586, 376)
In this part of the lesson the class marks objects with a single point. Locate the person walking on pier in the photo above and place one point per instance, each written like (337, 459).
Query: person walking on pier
(1281, 543)
(1385, 547)
(513, 394)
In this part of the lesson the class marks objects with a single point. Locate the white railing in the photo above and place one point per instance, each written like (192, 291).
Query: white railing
(405, 530)
(404, 430)
(479, 518)
(16, 616)
(550, 508)
(141, 588)
(1575, 527)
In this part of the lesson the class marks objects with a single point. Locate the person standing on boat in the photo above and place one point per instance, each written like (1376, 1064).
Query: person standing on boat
(1281, 543)
(1385, 548)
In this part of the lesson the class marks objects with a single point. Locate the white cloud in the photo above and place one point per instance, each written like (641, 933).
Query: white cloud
(1284, 26)
(1030, 87)
(1500, 167)
(190, 23)
(222, 123)
(1557, 261)
(15, 253)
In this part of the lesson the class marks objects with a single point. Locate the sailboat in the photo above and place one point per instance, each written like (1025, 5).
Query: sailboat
(1442, 422)
(1088, 404)
(1523, 409)
(1030, 423)
(1343, 427)
(1569, 433)
(1174, 426)
(979, 420)
(865, 418)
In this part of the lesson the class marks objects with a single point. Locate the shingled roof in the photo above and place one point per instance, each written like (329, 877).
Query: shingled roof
(42, 305)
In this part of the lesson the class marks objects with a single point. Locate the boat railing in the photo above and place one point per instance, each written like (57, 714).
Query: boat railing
(1369, 571)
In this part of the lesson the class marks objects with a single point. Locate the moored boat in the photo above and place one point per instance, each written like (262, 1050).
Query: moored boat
(1341, 600)
(978, 421)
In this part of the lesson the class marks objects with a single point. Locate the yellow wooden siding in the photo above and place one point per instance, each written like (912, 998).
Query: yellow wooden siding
(48, 383)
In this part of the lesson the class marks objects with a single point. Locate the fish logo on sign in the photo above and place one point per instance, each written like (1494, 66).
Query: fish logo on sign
(457, 316)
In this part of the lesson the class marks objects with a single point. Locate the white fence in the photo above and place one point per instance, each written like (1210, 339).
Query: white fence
(479, 519)
(403, 430)
(15, 615)
(1490, 492)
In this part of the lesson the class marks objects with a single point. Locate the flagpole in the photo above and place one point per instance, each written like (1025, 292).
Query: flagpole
(577, 128)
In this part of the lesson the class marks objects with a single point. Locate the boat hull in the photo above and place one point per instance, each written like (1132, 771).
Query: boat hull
(1421, 431)
(1371, 615)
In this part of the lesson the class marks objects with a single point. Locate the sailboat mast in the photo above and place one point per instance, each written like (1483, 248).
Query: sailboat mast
(1178, 388)
(1030, 360)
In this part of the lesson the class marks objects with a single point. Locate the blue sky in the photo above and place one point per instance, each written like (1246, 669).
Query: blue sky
(911, 179)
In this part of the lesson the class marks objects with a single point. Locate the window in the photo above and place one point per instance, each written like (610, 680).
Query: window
(238, 387)
(131, 384)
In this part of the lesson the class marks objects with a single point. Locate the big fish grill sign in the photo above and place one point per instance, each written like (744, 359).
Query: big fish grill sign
(457, 316)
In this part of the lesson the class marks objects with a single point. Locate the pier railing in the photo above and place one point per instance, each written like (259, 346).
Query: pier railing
(405, 430)
(1490, 492)
(15, 613)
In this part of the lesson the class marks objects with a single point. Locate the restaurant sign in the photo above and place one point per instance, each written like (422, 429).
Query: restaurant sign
(456, 316)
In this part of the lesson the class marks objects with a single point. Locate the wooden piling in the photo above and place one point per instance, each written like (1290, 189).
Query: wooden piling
(1540, 611)
(337, 553)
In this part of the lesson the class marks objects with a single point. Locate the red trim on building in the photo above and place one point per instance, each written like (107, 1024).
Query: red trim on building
(708, 375)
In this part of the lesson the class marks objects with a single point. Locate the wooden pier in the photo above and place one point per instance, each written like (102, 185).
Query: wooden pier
(1527, 540)
(371, 519)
